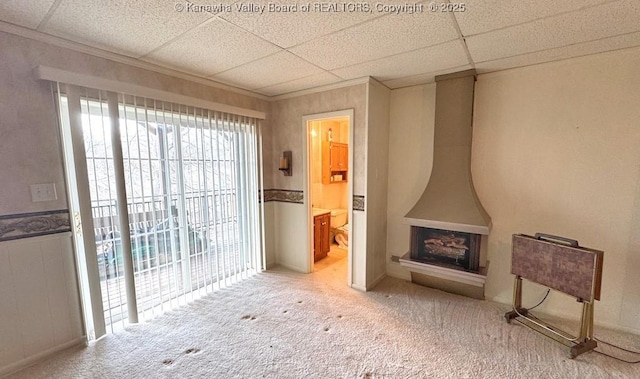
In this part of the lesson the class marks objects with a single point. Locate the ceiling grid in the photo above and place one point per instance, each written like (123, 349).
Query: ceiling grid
(272, 53)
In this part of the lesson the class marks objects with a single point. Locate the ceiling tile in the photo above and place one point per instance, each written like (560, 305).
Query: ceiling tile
(287, 29)
(400, 50)
(274, 69)
(312, 81)
(483, 15)
(24, 13)
(378, 38)
(577, 50)
(587, 25)
(226, 46)
(430, 59)
(130, 27)
(422, 78)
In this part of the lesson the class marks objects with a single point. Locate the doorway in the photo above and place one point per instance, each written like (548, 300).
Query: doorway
(329, 182)
(165, 202)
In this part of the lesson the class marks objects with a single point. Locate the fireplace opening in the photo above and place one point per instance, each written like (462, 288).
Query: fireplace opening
(447, 248)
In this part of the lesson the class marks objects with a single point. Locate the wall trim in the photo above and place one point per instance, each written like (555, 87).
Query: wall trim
(42, 238)
(284, 196)
(376, 281)
(26, 362)
(327, 87)
(290, 267)
(119, 58)
(136, 62)
(39, 213)
(377, 83)
(358, 203)
(27, 225)
(567, 316)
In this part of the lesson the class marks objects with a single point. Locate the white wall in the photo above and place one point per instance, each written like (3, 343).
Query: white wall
(40, 307)
(359, 261)
(288, 133)
(377, 172)
(290, 229)
(412, 112)
(270, 233)
(30, 153)
(555, 150)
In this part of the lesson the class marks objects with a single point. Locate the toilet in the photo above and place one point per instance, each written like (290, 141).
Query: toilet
(339, 230)
(338, 217)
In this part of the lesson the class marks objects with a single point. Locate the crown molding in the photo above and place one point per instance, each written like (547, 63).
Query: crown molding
(119, 58)
(131, 61)
(373, 81)
(328, 87)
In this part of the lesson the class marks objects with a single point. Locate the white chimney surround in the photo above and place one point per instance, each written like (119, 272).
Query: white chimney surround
(449, 201)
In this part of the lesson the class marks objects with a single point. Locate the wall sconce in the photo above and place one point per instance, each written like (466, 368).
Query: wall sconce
(286, 163)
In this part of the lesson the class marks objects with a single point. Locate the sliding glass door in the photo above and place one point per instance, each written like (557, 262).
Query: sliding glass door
(189, 181)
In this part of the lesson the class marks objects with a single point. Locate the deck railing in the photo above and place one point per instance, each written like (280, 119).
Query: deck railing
(157, 251)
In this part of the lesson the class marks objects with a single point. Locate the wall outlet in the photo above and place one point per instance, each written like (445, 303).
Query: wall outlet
(43, 192)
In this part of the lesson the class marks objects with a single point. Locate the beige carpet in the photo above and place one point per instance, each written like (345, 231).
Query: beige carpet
(281, 324)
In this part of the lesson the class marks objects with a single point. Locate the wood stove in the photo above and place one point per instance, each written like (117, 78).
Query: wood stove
(446, 248)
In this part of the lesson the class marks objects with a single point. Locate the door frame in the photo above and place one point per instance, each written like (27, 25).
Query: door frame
(308, 185)
(79, 200)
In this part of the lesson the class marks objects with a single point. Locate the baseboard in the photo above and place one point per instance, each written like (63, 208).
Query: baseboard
(618, 328)
(370, 286)
(26, 362)
(395, 270)
(596, 323)
(292, 268)
(574, 317)
(376, 281)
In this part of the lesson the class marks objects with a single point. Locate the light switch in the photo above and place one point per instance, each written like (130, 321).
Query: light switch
(43, 192)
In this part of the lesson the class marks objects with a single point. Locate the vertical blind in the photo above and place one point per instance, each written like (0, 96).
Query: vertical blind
(190, 180)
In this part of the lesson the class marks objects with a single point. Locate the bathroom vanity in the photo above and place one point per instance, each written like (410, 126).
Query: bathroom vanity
(321, 225)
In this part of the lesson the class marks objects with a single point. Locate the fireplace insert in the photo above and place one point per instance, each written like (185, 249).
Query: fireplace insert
(446, 248)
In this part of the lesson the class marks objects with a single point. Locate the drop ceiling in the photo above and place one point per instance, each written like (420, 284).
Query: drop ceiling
(274, 53)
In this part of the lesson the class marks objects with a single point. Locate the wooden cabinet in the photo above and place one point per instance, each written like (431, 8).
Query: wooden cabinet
(339, 156)
(321, 243)
(335, 162)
